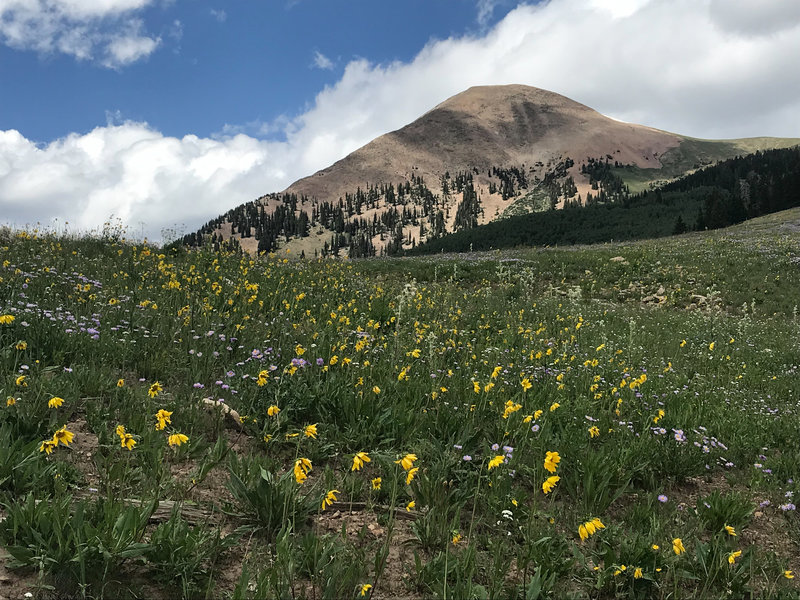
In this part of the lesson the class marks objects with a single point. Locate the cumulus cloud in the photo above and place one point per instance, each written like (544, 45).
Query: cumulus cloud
(105, 31)
(678, 66)
(321, 61)
(220, 15)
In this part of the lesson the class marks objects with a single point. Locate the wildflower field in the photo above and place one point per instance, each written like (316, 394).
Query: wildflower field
(610, 421)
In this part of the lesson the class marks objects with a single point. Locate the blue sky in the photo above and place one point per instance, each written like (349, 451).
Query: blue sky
(224, 62)
(162, 114)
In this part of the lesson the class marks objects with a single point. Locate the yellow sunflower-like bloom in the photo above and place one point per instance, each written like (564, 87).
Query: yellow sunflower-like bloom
(359, 460)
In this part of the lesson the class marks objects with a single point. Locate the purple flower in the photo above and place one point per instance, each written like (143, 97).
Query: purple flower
(198, 386)
(320, 362)
(662, 498)
(535, 428)
(466, 457)
(495, 447)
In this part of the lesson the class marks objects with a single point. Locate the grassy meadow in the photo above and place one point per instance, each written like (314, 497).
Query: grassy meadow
(615, 421)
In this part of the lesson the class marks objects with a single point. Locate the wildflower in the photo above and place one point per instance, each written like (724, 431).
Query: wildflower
(526, 384)
(637, 573)
(7, 319)
(731, 531)
(551, 461)
(310, 431)
(589, 528)
(359, 460)
(376, 483)
(407, 462)
(176, 439)
(329, 498)
(365, 588)
(410, 506)
(711, 346)
(537, 414)
(662, 498)
(496, 461)
(20, 381)
(456, 538)
(655, 547)
(126, 441)
(273, 410)
(554, 406)
(11, 401)
(594, 431)
(55, 402)
(376, 390)
(63, 436)
(733, 556)
(476, 387)
(677, 546)
(48, 446)
(411, 474)
(550, 483)
(788, 574)
(120, 382)
(163, 417)
(21, 345)
(302, 466)
(154, 390)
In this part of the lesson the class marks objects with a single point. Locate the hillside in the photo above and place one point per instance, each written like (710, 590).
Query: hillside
(487, 153)
(505, 424)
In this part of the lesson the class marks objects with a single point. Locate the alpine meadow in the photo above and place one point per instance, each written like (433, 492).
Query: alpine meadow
(607, 421)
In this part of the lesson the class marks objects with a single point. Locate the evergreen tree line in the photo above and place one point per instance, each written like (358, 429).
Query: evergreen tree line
(716, 196)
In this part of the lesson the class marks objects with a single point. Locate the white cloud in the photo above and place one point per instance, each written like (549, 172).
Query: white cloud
(673, 65)
(485, 10)
(102, 30)
(220, 15)
(321, 61)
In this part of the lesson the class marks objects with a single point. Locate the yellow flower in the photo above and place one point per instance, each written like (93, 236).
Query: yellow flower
(731, 531)
(554, 406)
(683, 343)
(410, 505)
(55, 402)
(476, 387)
(788, 574)
(376, 390)
(538, 414)
(365, 588)
(273, 410)
(550, 483)
(120, 382)
(120, 431)
(583, 532)
(302, 466)
(329, 498)
(655, 547)
(496, 461)
(7, 319)
(733, 556)
(311, 431)
(637, 573)
(711, 346)
(63, 436)
(456, 538)
(594, 431)
(126, 441)
(163, 417)
(154, 389)
(407, 461)
(411, 474)
(11, 401)
(677, 546)
(526, 384)
(359, 460)
(48, 446)
(176, 439)
(376, 483)
(21, 345)
(551, 461)
(20, 381)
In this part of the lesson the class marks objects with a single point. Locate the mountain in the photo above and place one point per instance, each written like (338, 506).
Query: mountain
(487, 153)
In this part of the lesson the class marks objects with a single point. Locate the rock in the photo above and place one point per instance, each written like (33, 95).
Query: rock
(227, 410)
(660, 291)
(758, 514)
(617, 259)
(699, 300)
(653, 299)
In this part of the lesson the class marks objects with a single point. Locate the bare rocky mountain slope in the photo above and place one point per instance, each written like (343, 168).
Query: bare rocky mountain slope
(486, 153)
